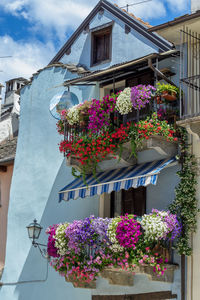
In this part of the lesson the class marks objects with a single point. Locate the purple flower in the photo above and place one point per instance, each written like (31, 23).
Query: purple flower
(141, 95)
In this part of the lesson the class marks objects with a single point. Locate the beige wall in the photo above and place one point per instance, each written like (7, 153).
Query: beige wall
(5, 179)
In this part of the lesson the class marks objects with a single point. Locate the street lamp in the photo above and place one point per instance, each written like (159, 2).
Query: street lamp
(34, 230)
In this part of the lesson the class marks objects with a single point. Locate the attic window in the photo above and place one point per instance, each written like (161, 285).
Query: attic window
(101, 45)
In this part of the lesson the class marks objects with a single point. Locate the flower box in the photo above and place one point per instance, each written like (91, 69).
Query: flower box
(160, 146)
(82, 285)
(118, 276)
(111, 161)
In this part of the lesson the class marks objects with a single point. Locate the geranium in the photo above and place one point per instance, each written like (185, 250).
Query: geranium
(123, 103)
(128, 231)
(141, 95)
(153, 126)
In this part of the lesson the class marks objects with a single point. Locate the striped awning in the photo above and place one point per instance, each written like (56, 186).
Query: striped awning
(115, 180)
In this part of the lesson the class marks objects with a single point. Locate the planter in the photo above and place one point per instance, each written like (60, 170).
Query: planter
(117, 276)
(155, 148)
(109, 163)
(169, 96)
(166, 252)
(82, 285)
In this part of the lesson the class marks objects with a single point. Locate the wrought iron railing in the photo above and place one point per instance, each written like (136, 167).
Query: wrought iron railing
(189, 73)
(73, 131)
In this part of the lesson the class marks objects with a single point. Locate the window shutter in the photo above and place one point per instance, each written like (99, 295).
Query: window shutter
(134, 201)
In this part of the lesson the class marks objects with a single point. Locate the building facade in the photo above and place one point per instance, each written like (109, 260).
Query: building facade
(110, 50)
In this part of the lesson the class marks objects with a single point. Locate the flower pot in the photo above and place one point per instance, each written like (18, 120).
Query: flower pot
(158, 100)
(170, 97)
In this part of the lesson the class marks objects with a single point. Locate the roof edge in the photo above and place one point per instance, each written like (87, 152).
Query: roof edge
(163, 44)
(176, 21)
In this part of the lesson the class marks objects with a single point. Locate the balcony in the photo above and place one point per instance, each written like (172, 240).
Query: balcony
(87, 249)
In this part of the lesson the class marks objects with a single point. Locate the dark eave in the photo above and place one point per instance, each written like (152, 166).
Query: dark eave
(119, 69)
(120, 14)
(176, 21)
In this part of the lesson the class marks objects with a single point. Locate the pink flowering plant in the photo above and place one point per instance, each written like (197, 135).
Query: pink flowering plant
(86, 247)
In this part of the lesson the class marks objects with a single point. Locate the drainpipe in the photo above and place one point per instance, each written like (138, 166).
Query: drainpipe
(158, 72)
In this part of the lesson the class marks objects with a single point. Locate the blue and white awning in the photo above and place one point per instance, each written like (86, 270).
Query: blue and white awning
(115, 180)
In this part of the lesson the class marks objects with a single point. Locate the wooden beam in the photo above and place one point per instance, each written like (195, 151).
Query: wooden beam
(146, 296)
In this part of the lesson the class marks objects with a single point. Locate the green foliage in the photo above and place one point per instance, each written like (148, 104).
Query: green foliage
(185, 202)
(161, 87)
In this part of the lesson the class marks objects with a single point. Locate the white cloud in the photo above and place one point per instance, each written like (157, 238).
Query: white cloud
(153, 9)
(58, 16)
(27, 57)
(177, 5)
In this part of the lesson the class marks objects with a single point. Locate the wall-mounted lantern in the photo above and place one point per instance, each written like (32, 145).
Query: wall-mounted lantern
(34, 230)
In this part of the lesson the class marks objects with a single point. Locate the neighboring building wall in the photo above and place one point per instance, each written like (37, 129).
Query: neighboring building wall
(5, 182)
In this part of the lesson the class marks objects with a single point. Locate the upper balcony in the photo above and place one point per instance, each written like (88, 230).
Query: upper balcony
(133, 126)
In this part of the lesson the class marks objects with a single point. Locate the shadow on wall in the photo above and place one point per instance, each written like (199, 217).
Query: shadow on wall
(35, 265)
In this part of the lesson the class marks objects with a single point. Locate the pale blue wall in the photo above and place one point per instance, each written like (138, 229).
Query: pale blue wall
(39, 173)
(125, 47)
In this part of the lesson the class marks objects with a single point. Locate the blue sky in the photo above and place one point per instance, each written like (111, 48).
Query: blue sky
(32, 31)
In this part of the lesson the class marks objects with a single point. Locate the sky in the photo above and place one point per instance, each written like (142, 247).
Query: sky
(32, 31)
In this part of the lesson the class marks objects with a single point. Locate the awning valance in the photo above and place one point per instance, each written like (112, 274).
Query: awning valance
(115, 180)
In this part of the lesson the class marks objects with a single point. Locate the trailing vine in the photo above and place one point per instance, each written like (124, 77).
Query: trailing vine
(185, 202)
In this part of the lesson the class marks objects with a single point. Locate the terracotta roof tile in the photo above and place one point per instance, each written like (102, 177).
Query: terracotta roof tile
(134, 17)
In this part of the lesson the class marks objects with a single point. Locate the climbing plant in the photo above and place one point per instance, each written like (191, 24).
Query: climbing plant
(185, 202)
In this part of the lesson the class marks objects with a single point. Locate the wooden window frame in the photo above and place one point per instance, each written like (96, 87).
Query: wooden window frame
(96, 33)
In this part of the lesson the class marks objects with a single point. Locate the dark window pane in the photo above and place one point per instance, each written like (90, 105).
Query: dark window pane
(101, 46)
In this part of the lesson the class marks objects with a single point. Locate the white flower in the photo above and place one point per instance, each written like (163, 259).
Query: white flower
(73, 115)
(123, 103)
(111, 231)
(154, 227)
(61, 240)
